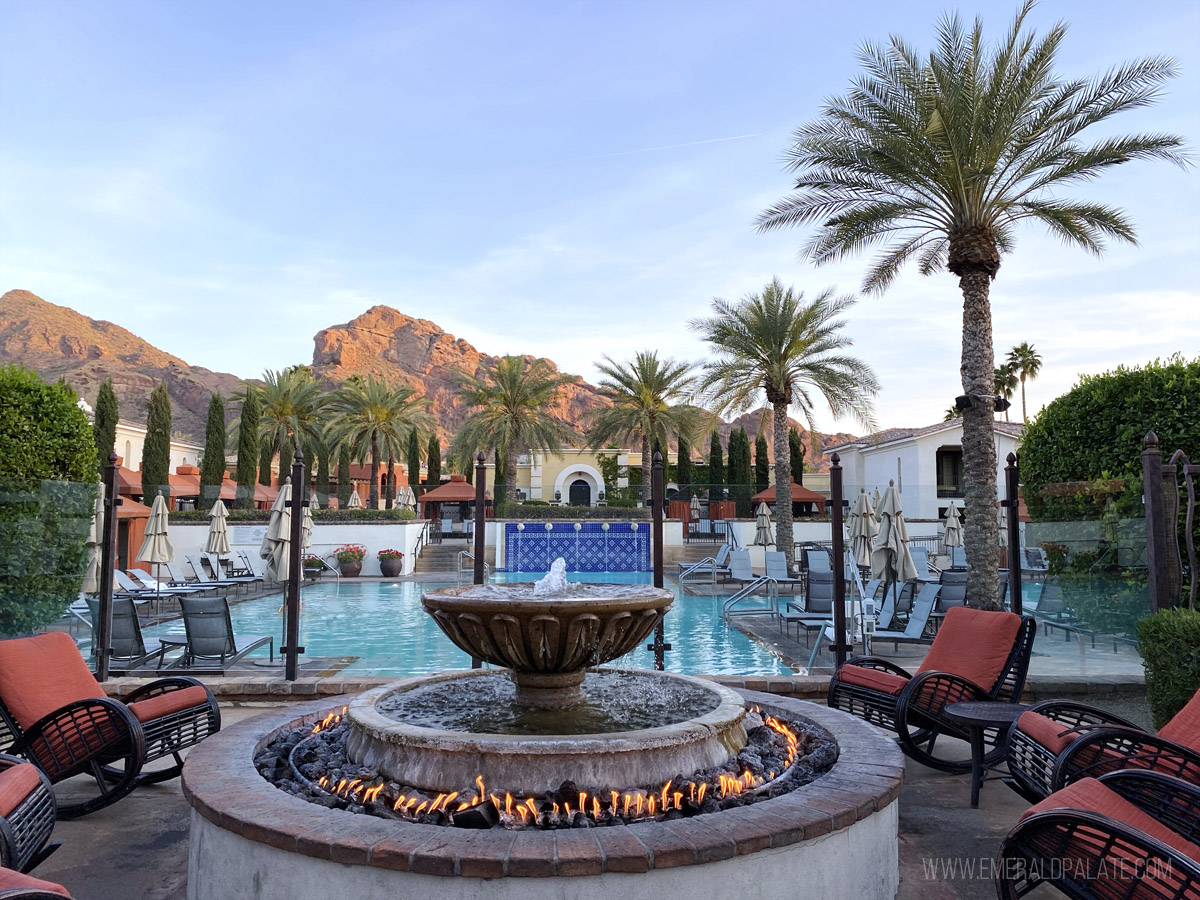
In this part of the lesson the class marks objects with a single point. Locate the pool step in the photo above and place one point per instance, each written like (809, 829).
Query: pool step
(437, 558)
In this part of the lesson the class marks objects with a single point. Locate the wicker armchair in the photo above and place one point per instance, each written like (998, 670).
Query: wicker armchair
(16, 886)
(54, 713)
(26, 814)
(977, 655)
(1057, 742)
(1131, 835)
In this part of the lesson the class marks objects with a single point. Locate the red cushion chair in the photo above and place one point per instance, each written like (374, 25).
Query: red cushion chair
(54, 713)
(27, 813)
(1132, 834)
(977, 655)
(1057, 742)
(17, 886)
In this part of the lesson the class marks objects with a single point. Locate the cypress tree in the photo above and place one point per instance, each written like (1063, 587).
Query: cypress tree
(212, 467)
(414, 462)
(796, 450)
(740, 473)
(323, 474)
(762, 464)
(683, 470)
(156, 451)
(344, 485)
(433, 461)
(716, 469)
(104, 427)
(499, 493)
(266, 454)
(247, 456)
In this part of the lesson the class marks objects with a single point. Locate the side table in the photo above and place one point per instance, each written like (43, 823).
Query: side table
(978, 715)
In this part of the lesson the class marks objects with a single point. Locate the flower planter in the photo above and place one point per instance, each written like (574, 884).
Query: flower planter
(391, 567)
(350, 569)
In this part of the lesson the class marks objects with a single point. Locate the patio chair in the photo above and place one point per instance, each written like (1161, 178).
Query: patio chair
(203, 578)
(249, 564)
(958, 558)
(1057, 742)
(1133, 835)
(55, 714)
(977, 655)
(920, 612)
(210, 641)
(710, 566)
(227, 573)
(777, 569)
(18, 886)
(125, 639)
(817, 558)
(134, 585)
(920, 558)
(954, 590)
(26, 815)
(818, 605)
(1036, 561)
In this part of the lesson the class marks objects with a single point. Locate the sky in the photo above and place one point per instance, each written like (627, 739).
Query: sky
(567, 179)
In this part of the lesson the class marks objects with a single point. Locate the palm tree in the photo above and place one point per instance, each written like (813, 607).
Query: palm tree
(1005, 380)
(510, 403)
(939, 158)
(291, 403)
(1026, 362)
(777, 344)
(952, 413)
(647, 397)
(373, 418)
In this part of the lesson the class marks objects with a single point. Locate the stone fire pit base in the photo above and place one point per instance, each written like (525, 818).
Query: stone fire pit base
(834, 838)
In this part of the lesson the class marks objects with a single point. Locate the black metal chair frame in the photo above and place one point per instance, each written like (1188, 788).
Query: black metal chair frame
(25, 831)
(1104, 743)
(29, 894)
(915, 714)
(89, 737)
(1087, 855)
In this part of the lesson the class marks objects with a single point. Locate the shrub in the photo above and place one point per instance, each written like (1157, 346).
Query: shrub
(309, 561)
(1170, 648)
(622, 503)
(570, 513)
(350, 553)
(390, 554)
(47, 498)
(320, 516)
(535, 502)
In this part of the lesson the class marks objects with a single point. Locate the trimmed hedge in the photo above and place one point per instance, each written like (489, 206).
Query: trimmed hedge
(571, 513)
(320, 516)
(1170, 648)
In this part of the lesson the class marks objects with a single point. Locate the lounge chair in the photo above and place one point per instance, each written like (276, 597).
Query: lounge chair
(818, 605)
(918, 617)
(777, 569)
(210, 641)
(55, 714)
(203, 578)
(135, 586)
(977, 655)
(954, 590)
(249, 564)
(1036, 560)
(920, 558)
(223, 573)
(710, 566)
(1133, 835)
(26, 815)
(818, 559)
(125, 640)
(18, 886)
(1057, 742)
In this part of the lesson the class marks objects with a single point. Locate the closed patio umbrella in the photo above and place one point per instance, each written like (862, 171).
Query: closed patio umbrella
(1002, 521)
(953, 536)
(355, 501)
(156, 549)
(306, 527)
(876, 500)
(1109, 522)
(218, 532)
(762, 526)
(274, 547)
(862, 528)
(890, 558)
(91, 575)
(405, 497)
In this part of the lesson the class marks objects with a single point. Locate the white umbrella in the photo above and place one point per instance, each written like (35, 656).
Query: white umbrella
(890, 558)
(1002, 521)
(274, 547)
(405, 497)
(694, 509)
(91, 575)
(876, 501)
(306, 527)
(314, 502)
(156, 548)
(355, 500)
(954, 535)
(762, 526)
(218, 532)
(863, 528)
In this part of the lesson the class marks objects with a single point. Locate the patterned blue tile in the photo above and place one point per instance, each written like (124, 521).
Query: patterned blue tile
(592, 548)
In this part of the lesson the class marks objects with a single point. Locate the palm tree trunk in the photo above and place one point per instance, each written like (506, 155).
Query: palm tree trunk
(374, 495)
(980, 530)
(1024, 414)
(510, 472)
(646, 461)
(390, 495)
(783, 486)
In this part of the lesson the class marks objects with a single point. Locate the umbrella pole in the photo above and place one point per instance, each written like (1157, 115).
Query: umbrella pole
(292, 650)
(839, 559)
(108, 562)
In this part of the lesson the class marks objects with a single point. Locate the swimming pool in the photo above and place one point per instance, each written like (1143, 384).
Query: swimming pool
(384, 625)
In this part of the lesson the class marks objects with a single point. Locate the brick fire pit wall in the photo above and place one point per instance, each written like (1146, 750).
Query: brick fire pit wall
(834, 838)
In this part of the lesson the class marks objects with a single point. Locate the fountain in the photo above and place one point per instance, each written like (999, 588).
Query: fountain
(545, 749)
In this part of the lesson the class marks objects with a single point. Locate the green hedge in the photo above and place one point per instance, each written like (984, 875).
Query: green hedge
(569, 513)
(1170, 648)
(320, 516)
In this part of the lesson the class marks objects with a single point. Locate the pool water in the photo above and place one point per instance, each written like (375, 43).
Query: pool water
(385, 627)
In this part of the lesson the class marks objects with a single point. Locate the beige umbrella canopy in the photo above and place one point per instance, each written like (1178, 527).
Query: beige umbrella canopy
(876, 501)
(890, 558)
(274, 547)
(762, 526)
(91, 575)
(218, 532)
(1002, 521)
(954, 535)
(405, 497)
(862, 528)
(156, 549)
(355, 501)
(306, 527)
(694, 509)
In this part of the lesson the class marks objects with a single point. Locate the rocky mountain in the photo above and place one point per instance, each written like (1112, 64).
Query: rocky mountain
(58, 342)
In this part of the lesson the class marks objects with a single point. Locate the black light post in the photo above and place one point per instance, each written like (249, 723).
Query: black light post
(480, 526)
(660, 646)
(840, 645)
(108, 562)
(1012, 503)
(291, 652)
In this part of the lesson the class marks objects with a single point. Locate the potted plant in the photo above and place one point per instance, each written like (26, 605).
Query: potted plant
(350, 559)
(391, 562)
(313, 565)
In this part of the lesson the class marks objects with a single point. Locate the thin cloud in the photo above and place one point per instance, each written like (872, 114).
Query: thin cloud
(736, 137)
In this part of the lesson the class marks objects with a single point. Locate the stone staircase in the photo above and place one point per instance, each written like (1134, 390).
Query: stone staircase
(439, 558)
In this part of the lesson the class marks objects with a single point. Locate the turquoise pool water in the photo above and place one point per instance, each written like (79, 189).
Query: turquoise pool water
(385, 627)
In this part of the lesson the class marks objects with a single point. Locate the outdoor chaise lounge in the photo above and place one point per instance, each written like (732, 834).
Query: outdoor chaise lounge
(54, 713)
(125, 639)
(203, 578)
(210, 641)
(1132, 835)
(1057, 742)
(710, 567)
(977, 655)
(918, 617)
(26, 814)
(777, 569)
(16, 886)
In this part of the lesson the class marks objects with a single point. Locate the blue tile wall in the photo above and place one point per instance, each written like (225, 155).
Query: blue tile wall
(594, 547)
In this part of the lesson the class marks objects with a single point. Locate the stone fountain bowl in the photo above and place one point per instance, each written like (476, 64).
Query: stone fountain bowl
(547, 642)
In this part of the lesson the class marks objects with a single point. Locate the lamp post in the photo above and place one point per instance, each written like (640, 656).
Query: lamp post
(660, 646)
(291, 652)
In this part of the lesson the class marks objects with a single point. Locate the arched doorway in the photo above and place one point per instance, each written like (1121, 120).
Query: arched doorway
(580, 493)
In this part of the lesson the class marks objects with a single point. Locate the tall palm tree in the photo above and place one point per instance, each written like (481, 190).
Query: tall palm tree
(951, 414)
(1005, 380)
(647, 397)
(375, 419)
(775, 343)
(939, 158)
(510, 403)
(291, 403)
(1026, 362)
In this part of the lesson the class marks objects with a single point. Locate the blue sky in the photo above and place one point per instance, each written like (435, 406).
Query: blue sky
(564, 179)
